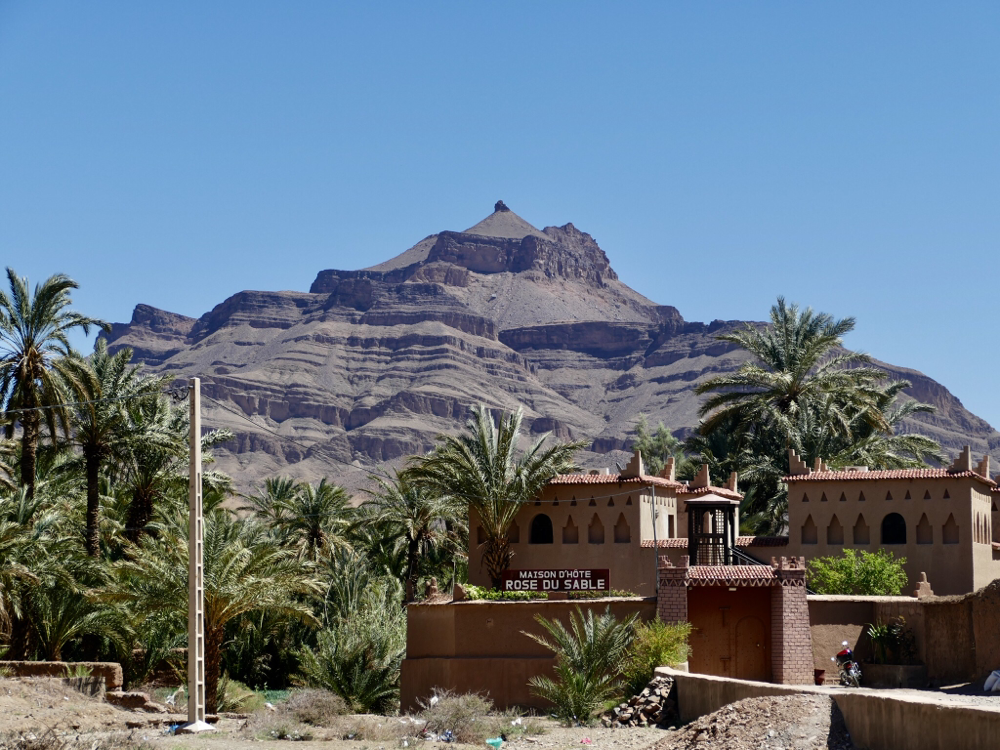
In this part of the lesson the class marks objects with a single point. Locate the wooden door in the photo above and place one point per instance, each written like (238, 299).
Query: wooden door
(751, 650)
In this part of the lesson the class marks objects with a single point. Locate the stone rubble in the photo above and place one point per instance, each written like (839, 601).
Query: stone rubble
(653, 707)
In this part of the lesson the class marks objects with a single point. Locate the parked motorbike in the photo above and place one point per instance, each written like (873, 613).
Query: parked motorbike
(850, 672)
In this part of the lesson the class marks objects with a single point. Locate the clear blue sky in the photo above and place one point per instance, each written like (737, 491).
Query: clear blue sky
(846, 155)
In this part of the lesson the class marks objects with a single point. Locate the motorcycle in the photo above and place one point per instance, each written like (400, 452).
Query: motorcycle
(850, 672)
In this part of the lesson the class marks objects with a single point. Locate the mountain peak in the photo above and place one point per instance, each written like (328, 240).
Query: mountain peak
(506, 224)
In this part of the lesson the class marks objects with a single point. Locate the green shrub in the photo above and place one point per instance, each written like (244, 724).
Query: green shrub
(359, 659)
(655, 644)
(235, 697)
(893, 642)
(600, 594)
(493, 595)
(858, 573)
(589, 657)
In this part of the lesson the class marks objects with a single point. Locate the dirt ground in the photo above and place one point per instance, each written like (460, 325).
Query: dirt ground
(34, 708)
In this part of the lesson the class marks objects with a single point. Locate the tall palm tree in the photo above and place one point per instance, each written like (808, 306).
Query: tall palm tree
(796, 363)
(101, 424)
(482, 468)
(801, 391)
(418, 519)
(34, 344)
(245, 571)
(312, 519)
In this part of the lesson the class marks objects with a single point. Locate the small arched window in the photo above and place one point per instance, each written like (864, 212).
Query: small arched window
(894, 529)
(541, 530)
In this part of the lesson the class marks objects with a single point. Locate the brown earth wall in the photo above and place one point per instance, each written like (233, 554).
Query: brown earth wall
(111, 672)
(956, 636)
(478, 646)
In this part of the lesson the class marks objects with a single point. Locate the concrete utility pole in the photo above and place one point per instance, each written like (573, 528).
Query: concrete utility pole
(196, 578)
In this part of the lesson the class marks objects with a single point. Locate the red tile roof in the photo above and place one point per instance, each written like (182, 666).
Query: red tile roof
(691, 494)
(741, 541)
(731, 575)
(645, 479)
(854, 476)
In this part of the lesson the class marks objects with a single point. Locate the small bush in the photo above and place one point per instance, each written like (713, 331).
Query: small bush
(316, 707)
(49, 740)
(894, 642)
(471, 718)
(656, 644)
(482, 592)
(235, 697)
(858, 573)
(599, 594)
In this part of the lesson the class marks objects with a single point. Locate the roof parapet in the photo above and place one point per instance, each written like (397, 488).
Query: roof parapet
(669, 470)
(635, 468)
(732, 485)
(796, 466)
(701, 480)
(983, 469)
(963, 462)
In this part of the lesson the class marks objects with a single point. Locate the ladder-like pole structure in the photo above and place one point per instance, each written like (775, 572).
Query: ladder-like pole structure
(196, 574)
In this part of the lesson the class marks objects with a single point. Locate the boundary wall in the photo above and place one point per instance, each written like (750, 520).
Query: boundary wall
(956, 636)
(878, 720)
(480, 646)
(110, 671)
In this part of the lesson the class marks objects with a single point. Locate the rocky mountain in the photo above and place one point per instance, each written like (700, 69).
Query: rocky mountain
(368, 366)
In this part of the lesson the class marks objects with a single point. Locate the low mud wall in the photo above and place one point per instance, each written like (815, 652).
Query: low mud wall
(110, 671)
(480, 646)
(955, 635)
(878, 720)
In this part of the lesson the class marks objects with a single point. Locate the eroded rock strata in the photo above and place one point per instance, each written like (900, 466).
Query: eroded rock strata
(370, 365)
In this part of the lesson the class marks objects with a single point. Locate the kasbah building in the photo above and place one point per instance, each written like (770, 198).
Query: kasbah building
(675, 547)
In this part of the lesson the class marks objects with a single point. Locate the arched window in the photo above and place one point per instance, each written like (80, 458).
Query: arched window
(862, 534)
(541, 530)
(835, 531)
(571, 532)
(595, 532)
(809, 533)
(893, 529)
(949, 532)
(925, 532)
(623, 535)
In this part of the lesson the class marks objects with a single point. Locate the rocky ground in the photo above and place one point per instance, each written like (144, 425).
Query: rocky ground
(796, 722)
(44, 714)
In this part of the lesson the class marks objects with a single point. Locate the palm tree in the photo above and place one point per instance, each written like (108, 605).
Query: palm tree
(801, 392)
(482, 468)
(34, 344)
(101, 424)
(245, 571)
(313, 520)
(590, 655)
(797, 365)
(155, 466)
(418, 519)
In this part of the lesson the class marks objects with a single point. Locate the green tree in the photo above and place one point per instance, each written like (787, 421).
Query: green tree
(482, 467)
(34, 346)
(359, 652)
(801, 390)
(589, 658)
(658, 446)
(417, 519)
(102, 427)
(245, 571)
(858, 573)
